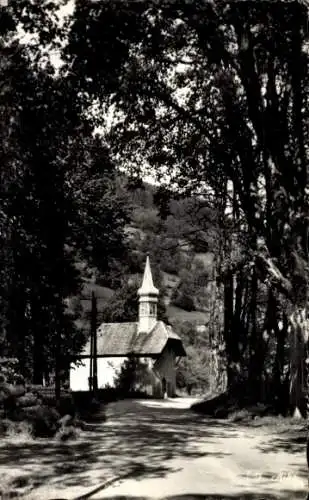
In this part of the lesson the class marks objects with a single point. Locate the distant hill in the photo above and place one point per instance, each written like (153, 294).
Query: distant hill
(180, 248)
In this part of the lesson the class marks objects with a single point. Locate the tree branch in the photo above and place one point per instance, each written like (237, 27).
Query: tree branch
(274, 274)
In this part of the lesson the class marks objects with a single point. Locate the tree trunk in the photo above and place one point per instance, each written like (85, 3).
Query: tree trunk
(281, 335)
(238, 301)
(298, 341)
(16, 327)
(37, 367)
(230, 336)
(255, 355)
(38, 344)
(58, 367)
(94, 335)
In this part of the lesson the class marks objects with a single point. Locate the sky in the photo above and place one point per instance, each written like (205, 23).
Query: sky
(65, 11)
(55, 59)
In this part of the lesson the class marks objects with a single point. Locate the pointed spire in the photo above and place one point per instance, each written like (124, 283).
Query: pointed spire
(147, 287)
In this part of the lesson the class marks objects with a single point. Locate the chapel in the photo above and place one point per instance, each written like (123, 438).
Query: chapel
(150, 340)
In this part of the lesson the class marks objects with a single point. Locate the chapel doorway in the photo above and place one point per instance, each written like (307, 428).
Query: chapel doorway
(164, 388)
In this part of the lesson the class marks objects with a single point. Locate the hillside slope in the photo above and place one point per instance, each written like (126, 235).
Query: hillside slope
(179, 245)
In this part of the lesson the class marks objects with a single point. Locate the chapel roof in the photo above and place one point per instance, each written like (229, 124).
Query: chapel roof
(123, 339)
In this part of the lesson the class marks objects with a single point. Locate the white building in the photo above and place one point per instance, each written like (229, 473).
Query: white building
(148, 339)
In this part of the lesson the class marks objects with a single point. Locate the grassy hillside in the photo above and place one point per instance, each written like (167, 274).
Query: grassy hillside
(180, 249)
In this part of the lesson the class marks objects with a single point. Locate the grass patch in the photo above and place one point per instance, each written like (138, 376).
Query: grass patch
(279, 423)
(242, 416)
(18, 432)
(275, 423)
(177, 314)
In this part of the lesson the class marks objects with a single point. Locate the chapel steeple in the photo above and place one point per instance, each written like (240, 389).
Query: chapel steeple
(148, 300)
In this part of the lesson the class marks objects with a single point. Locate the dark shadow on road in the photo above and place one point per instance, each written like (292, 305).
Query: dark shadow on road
(142, 443)
(284, 495)
(288, 440)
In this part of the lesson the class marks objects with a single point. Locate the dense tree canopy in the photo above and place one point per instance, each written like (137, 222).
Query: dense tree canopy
(214, 96)
(59, 205)
(184, 77)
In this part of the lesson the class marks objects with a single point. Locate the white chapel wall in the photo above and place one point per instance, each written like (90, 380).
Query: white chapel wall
(107, 371)
(108, 368)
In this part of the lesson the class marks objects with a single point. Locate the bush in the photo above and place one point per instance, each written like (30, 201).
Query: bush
(146, 219)
(19, 431)
(183, 300)
(8, 371)
(28, 399)
(44, 420)
(132, 376)
(66, 405)
(9, 395)
(33, 408)
(240, 416)
(11, 391)
(66, 433)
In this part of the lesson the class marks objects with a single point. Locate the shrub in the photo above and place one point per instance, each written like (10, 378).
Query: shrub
(132, 375)
(66, 405)
(28, 399)
(44, 420)
(8, 371)
(146, 219)
(183, 300)
(9, 395)
(240, 416)
(19, 431)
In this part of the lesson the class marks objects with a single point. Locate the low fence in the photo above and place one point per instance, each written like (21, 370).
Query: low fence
(47, 391)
